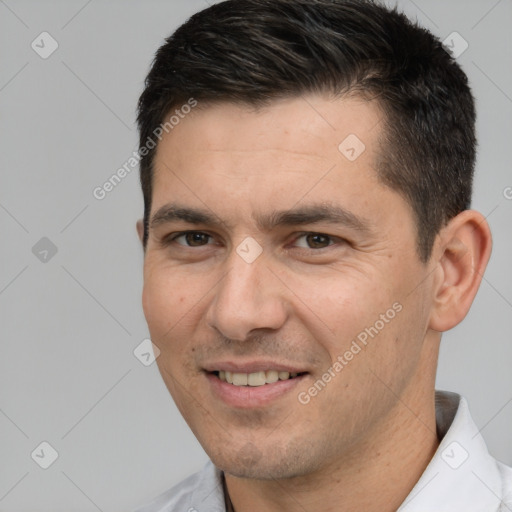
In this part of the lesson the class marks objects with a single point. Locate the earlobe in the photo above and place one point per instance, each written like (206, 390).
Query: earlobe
(140, 230)
(464, 248)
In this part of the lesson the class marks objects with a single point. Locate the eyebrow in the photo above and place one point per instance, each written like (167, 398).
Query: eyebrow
(310, 214)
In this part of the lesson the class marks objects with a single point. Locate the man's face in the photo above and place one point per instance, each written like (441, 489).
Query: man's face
(214, 303)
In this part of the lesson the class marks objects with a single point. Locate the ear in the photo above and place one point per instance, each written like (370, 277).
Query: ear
(140, 229)
(462, 251)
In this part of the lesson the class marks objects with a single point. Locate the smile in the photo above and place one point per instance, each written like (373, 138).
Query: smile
(254, 379)
(258, 388)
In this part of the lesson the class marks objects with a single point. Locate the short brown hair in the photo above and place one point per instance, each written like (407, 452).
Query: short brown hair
(254, 51)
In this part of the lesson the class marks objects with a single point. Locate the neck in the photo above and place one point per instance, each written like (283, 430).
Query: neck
(376, 476)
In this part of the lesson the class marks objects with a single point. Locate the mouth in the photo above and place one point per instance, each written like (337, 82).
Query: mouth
(256, 388)
(255, 379)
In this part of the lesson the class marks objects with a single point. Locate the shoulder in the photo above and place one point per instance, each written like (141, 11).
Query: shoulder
(187, 495)
(506, 479)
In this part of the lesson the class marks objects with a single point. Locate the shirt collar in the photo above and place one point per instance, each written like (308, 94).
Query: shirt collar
(462, 475)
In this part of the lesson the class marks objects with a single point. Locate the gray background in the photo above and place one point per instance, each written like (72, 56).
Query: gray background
(70, 324)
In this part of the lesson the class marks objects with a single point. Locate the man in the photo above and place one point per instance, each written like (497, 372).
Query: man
(307, 169)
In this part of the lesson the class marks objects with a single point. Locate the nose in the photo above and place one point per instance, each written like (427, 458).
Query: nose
(248, 298)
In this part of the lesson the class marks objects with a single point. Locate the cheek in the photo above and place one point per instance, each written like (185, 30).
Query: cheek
(172, 307)
(168, 315)
(162, 301)
(155, 304)
(359, 318)
(346, 305)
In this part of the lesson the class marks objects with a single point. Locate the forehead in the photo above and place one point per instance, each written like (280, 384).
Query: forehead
(309, 131)
(238, 158)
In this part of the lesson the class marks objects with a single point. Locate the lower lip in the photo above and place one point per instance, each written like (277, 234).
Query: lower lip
(251, 396)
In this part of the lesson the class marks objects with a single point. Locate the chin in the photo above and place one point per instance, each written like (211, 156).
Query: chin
(250, 462)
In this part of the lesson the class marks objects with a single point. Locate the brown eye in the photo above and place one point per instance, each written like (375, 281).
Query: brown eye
(193, 238)
(314, 241)
(318, 241)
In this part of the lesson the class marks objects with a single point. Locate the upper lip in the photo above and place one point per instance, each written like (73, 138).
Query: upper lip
(252, 366)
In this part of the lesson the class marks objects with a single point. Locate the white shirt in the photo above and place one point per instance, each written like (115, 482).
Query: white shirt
(462, 476)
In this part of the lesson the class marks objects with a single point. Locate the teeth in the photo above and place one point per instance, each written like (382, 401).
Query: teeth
(240, 379)
(254, 379)
(272, 376)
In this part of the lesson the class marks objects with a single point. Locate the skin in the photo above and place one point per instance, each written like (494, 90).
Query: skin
(364, 440)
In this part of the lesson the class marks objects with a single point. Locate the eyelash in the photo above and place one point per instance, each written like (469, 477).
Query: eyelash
(172, 238)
